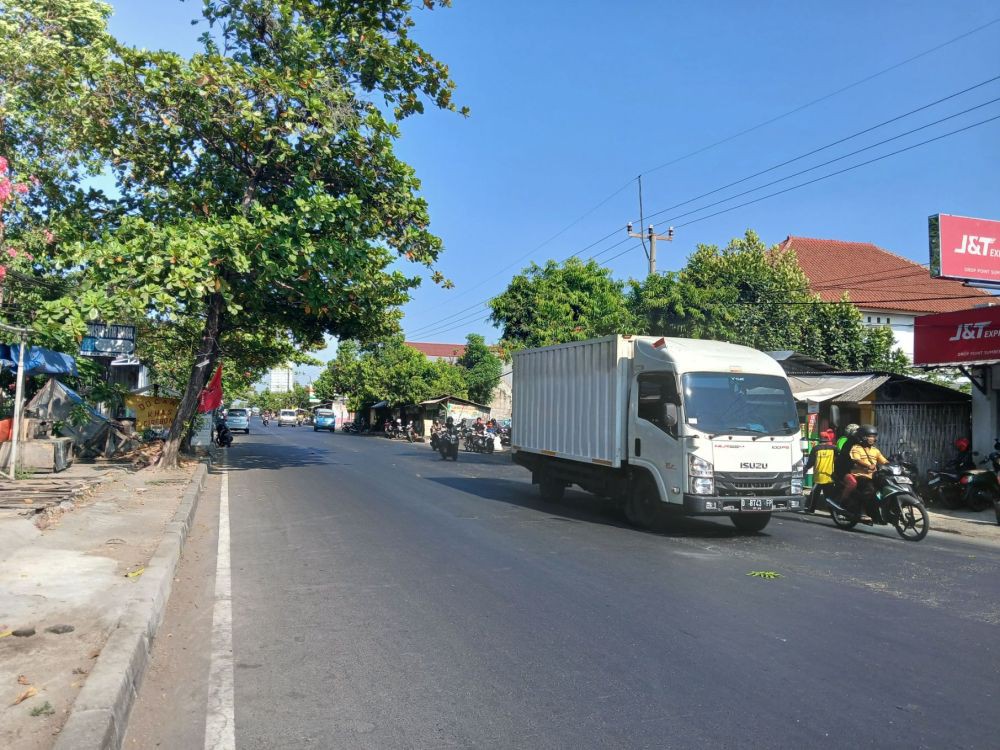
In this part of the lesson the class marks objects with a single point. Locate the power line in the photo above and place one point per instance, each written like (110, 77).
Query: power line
(828, 162)
(744, 132)
(837, 143)
(558, 234)
(823, 98)
(834, 174)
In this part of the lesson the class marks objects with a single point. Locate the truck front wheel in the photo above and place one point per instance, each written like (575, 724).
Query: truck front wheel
(642, 508)
(551, 490)
(751, 524)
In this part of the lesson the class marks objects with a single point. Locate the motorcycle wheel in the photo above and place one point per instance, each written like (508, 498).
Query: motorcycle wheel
(841, 520)
(454, 452)
(980, 500)
(911, 519)
(489, 446)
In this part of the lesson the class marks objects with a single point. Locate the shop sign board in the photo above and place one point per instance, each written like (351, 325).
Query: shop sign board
(963, 248)
(957, 338)
(104, 340)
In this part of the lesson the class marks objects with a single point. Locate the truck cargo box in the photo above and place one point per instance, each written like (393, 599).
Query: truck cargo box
(571, 400)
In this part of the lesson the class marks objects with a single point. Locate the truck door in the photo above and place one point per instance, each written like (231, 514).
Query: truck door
(653, 433)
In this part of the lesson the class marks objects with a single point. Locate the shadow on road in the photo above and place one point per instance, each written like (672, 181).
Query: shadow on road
(263, 456)
(585, 508)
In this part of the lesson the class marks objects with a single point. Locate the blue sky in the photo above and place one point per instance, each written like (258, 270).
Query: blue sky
(571, 101)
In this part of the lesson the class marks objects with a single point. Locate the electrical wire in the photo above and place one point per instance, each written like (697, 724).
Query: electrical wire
(828, 162)
(838, 172)
(745, 132)
(840, 141)
(823, 98)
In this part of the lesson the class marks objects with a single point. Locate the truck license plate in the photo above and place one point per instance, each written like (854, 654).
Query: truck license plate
(756, 503)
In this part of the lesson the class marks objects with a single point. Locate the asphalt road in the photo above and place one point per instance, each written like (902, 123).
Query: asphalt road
(385, 599)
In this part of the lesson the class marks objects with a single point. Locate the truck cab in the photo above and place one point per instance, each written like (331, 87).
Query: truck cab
(715, 429)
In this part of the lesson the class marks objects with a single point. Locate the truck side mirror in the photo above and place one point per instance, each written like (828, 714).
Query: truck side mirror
(670, 415)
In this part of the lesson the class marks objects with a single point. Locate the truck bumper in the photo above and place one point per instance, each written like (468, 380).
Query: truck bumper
(710, 505)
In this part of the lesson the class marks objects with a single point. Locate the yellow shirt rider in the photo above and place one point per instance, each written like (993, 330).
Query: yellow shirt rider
(865, 456)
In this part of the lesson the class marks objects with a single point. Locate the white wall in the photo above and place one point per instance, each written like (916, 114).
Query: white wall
(900, 323)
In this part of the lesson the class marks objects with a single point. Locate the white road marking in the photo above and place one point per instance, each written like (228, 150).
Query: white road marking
(220, 723)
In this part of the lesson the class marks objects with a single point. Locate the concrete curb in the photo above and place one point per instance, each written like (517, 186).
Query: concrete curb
(99, 717)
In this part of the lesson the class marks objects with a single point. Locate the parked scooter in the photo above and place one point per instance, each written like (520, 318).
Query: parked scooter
(976, 489)
(893, 502)
(223, 435)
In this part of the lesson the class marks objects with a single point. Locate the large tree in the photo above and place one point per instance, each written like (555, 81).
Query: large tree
(749, 294)
(260, 189)
(555, 303)
(482, 369)
(387, 371)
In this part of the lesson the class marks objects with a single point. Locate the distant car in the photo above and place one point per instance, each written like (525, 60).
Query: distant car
(325, 419)
(288, 417)
(238, 419)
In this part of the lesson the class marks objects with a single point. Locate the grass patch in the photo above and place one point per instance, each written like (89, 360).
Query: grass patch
(43, 710)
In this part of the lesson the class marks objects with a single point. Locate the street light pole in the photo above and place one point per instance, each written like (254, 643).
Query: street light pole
(652, 237)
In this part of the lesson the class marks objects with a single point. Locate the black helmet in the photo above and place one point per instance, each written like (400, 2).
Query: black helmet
(450, 421)
(866, 430)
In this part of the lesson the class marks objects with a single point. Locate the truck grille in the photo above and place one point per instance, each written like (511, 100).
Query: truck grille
(733, 483)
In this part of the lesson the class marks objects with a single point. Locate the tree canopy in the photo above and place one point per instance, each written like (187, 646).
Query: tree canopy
(747, 293)
(554, 303)
(258, 190)
(481, 369)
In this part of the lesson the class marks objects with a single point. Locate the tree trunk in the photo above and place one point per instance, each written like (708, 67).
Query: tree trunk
(208, 351)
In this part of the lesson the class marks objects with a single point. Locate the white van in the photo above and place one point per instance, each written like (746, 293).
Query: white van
(288, 417)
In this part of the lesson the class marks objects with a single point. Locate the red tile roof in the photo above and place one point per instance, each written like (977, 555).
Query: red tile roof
(877, 279)
(445, 351)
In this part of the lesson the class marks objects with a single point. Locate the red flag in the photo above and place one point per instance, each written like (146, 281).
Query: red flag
(211, 396)
(659, 343)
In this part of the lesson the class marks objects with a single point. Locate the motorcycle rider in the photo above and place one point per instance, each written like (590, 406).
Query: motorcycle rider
(865, 458)
(843, 465)
(449, 426)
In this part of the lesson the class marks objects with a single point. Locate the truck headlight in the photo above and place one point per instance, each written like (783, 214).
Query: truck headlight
(702, 486)
(796, 488)
(702, 475)
(699, 467)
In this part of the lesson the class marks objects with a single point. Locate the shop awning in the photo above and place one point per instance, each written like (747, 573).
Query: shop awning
(818, 388)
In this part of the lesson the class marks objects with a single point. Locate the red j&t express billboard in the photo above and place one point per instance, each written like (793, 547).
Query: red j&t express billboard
(957, 338)
(964, 249)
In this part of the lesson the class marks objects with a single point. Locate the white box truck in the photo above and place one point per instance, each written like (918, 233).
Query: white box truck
(702, 427)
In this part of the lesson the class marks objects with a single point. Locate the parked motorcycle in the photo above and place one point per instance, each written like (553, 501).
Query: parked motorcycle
(893, 502)
(223, 435)
(976, 489)
(447, 443)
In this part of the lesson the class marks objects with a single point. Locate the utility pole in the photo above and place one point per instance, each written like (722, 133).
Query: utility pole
(652, 237)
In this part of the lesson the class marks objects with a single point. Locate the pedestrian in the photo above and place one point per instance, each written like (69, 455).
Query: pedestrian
(821, 460)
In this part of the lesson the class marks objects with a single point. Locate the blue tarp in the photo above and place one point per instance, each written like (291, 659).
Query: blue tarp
(37, 361)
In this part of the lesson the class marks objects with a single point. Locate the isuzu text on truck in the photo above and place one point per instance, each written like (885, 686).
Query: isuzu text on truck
(702, 427)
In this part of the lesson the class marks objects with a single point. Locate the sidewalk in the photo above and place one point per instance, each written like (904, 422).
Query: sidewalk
(67, 577)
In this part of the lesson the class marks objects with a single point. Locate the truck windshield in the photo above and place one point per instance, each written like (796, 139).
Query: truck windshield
(718, 403)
